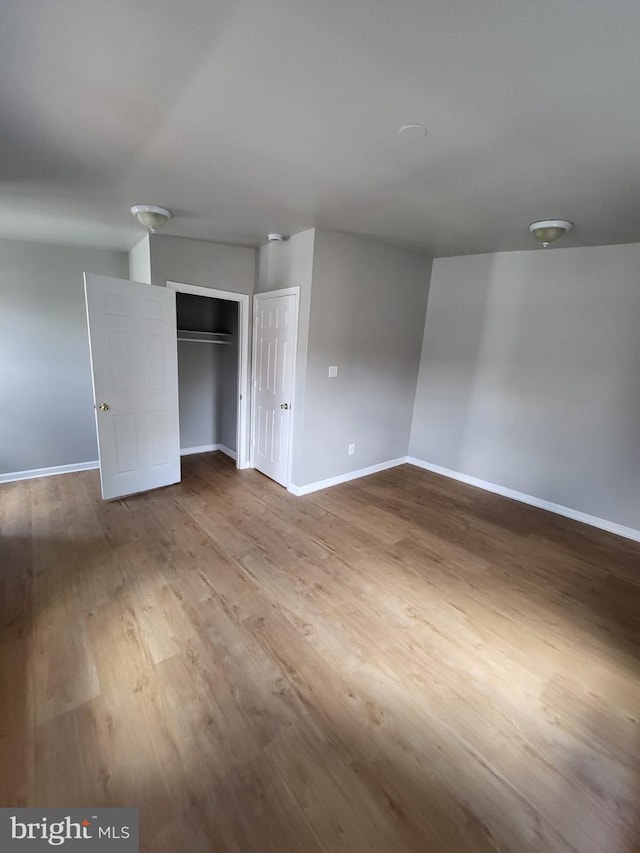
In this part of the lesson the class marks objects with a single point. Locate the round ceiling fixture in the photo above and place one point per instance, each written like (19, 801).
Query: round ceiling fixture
(151, 216)
(413, 131)
(546, 231)
(275, 238)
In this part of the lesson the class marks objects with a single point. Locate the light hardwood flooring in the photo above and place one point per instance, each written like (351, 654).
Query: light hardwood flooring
(401, 663)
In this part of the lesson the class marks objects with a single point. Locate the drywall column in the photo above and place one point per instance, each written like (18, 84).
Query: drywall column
(368, 303)
(140, 262)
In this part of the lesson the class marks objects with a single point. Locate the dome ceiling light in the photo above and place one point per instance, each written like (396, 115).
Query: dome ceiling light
(151, 216)
(547, 230)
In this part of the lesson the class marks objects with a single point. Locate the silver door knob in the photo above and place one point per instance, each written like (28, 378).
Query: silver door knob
(284, 405)
(104, 407)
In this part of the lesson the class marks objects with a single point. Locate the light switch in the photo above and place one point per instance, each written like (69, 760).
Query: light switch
(333, 371)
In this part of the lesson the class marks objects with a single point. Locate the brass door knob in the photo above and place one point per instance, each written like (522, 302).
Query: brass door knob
(284, 405)
(104, 407)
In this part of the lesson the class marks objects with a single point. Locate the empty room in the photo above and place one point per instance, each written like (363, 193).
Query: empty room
(320, 426)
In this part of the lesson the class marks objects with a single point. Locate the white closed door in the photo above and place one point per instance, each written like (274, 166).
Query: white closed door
(274, 346)
(134, 361)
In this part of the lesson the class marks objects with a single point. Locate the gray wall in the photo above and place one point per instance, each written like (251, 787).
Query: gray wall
(368, 303)
(46, 408)
(204, 263)
(290, 264)
(530, 375)
(199, 380)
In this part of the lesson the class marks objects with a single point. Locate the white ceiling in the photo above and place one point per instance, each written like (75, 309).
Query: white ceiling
(246, 116)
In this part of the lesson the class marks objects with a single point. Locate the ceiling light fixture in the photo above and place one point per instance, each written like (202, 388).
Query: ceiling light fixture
(151, 216)
(275, 238)
(547, 230)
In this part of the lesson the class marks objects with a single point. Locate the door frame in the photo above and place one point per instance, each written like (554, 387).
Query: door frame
(242, 431)
(257, 297)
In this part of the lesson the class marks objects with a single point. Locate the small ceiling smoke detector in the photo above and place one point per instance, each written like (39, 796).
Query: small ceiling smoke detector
(151, 216)
(547, 230)
(275, 238)
(413, 131)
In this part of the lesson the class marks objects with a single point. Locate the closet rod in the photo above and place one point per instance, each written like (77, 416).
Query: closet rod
(205, 341)
(202, 337)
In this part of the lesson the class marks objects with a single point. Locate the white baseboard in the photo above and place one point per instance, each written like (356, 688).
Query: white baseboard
(203, 448)
(567, 512)
(228, 451)
(14, 476)
(207, 448)
(298, 491)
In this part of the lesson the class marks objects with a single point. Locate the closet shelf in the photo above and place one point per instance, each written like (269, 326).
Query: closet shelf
(204, 337)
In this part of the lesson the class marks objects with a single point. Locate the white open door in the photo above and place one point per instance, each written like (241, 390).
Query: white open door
(134, 361)
(274, 350)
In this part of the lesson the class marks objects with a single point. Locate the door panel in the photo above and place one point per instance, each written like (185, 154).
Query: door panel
(132, 339)
(274, 348)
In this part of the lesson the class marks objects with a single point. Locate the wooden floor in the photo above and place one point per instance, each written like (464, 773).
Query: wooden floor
(401, 663)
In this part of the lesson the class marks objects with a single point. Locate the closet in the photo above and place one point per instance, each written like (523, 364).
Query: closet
(207, 373)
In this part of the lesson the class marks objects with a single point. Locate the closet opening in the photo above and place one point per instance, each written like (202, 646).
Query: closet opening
(212, 342)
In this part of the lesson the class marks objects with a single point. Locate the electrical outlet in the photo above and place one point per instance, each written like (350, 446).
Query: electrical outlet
(333, 371)
(351, 450)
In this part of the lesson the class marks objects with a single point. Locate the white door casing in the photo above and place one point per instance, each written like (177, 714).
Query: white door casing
(134, 363)
(274, 350)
